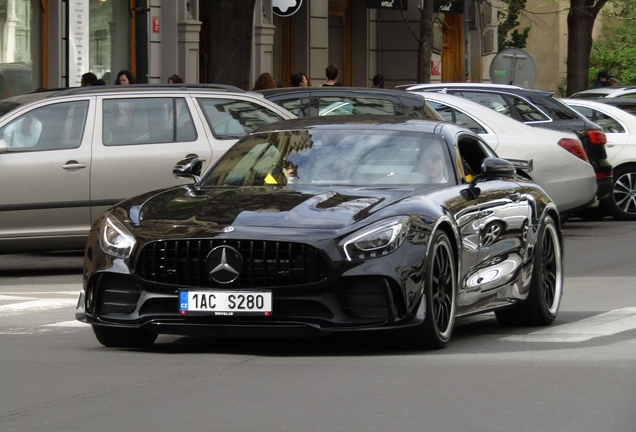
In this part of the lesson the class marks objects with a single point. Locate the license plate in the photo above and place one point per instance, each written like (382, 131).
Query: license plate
(226, 303)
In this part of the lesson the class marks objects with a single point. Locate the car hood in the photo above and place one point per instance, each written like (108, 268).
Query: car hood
(318, 208)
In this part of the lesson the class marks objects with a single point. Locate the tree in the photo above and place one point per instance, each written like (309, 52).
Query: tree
(507, 32)
(615, 50)
(424, 40)
(581, 19)
(230, 42)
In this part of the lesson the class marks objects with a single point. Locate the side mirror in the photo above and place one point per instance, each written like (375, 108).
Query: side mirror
(495, 167)
(190, 166)
(3, 146)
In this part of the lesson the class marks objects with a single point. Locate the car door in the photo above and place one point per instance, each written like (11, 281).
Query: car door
(502, 225)
(136, 143)
(45, 173)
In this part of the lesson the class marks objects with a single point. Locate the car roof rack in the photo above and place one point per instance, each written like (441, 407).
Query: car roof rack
(132, 87)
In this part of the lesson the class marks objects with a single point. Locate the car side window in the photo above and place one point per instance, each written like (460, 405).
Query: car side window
(608, 124)
(455, 116)
(472, 153)
(355, 105)
(53, 127)
(527, 111)
(146, 121)
(490, 100)
(232, 119)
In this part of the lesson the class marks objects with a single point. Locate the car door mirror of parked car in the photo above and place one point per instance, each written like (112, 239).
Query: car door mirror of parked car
(496, 167)
(3, 146)
(190, 166)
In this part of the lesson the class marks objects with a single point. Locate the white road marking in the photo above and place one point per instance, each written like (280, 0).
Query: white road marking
(74, 323)
(14, 297)
(605, 324)
(36, 306)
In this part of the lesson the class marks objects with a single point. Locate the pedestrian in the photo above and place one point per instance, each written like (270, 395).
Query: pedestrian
(333, 74)
(379, 81)
(175, 79)
(125, 77)
(602, 80)
(88, 79)
(299, 79)
(264, 81)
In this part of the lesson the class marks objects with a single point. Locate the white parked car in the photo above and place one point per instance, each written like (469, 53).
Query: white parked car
(606, 92)
(560, 162)
(620, 129)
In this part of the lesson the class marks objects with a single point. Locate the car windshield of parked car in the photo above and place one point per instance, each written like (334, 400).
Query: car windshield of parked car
(328, 157)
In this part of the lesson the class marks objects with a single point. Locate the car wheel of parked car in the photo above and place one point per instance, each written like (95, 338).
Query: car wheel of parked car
(124, 337)
(440, 293)
(622, 201)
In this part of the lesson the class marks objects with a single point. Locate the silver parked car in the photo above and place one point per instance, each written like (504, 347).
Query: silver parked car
(70, 154)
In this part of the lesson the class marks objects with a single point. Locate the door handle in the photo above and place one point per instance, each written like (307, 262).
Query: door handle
(73, 166)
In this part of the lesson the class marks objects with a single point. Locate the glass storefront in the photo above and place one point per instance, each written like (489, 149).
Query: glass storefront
(20, 48)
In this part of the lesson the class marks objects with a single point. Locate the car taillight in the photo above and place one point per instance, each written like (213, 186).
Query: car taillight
(574, 146)
(597, 137)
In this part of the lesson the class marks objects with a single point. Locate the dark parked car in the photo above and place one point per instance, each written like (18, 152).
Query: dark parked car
(321, 225)
(330, 101)
(540, 109)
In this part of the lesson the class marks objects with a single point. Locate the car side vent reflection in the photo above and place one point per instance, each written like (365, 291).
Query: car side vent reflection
(265, 263)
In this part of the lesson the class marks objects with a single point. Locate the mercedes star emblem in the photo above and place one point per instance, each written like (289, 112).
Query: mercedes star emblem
(224, 264)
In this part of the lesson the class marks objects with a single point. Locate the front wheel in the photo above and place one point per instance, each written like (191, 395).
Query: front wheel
(115, 337)
(622, 200)
(440, 292)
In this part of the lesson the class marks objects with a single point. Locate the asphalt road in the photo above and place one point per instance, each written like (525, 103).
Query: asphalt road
(577, 375)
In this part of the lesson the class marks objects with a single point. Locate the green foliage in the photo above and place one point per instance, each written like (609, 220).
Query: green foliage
(615, 50)
(508, 34)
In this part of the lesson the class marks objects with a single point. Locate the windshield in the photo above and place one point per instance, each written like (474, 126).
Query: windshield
(328, 157)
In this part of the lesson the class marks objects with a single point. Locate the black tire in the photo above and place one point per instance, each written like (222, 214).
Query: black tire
(115, 337)
(621, 203)
(546, 287)
(436, 329)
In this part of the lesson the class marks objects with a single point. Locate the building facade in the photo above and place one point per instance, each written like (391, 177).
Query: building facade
(51, 43)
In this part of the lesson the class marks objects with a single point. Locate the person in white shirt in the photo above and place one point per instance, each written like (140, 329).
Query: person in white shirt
(25, 132)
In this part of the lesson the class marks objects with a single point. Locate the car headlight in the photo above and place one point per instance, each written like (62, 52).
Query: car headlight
(376, 240)
(115, 239)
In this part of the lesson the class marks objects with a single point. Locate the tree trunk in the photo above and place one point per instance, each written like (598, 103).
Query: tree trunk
(581, 19)
(425, 47)
(230, 42)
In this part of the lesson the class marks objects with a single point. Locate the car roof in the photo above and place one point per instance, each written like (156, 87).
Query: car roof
(604, 92)
(472, 86)
(356, 122)
(330, 89)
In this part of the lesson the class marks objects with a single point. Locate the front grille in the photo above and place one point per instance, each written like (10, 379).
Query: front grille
(266, 263)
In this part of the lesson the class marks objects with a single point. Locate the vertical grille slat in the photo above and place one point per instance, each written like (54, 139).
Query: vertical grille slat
(266, 264)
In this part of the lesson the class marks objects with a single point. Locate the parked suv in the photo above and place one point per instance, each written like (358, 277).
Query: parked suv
(67, 155)
(326, 101)
(536, 108)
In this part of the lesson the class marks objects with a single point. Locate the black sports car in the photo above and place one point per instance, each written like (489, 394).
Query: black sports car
(324, 225)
